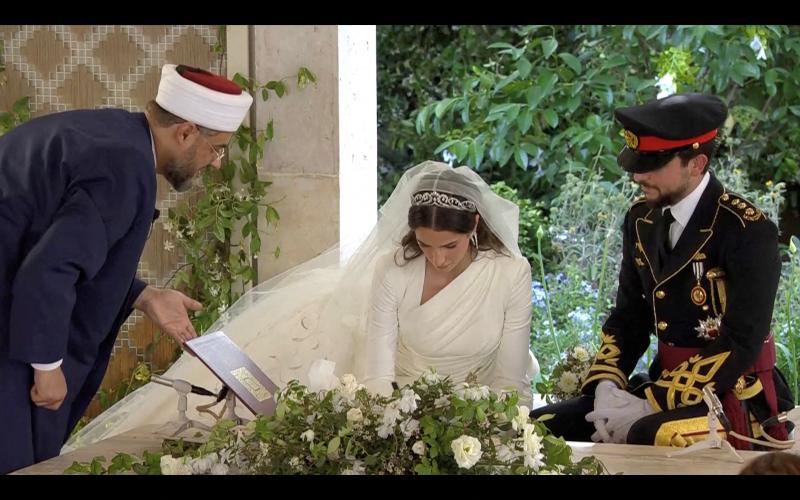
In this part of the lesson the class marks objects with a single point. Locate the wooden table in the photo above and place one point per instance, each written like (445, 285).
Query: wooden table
(628, 459)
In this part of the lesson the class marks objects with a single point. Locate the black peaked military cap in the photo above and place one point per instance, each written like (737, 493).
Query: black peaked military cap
(657, 130)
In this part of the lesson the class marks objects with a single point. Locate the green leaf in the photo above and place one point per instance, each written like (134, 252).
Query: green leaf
(547, 79)
(280, 89)
(769, 80)
(422, 119)
(443, 106)
(524, 120)
(264, 94)
(460, 149)
(333, 445)
(272, 215)
(550, 117)
(572, 62)
(747, 69)
(270, 130)
(795, 109)
(534, 95)
(521, 158)
(524, 67)
(241, 81)
(549, 46)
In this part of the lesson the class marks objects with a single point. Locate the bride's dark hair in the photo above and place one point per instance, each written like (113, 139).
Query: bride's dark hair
(447, 219)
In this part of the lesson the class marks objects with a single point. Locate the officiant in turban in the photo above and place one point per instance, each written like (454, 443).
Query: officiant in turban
(77, 200)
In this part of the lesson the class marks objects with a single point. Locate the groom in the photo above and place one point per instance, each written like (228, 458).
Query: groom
(700, 270)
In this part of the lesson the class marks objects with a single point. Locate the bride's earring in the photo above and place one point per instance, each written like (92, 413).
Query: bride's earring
(474, 239)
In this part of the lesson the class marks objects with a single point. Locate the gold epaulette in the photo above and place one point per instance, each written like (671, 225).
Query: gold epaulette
(744, 210)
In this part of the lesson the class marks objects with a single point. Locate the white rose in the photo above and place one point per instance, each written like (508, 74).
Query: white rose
(466, 450)
(521, 418)
(581, 354)
(354, 415)
(358, 469)
(419, 448)
(568, 382)
(307, 436)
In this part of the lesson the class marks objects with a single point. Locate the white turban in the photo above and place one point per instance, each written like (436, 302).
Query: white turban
(215, 106)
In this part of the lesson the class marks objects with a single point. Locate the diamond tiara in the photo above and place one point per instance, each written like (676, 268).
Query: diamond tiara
(435, 198)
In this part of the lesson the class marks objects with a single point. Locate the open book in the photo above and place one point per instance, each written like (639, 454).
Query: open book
(236, 370)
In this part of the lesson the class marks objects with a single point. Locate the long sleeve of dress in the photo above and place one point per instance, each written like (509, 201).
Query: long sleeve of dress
(514, 358)
(382, 328)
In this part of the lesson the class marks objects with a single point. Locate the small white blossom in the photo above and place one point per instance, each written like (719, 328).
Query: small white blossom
(408, 402)
(385, 430)
(391, 414)
(175, 466)
(354, 415)
(581, 354)
(666, 85)
(758, 48)
(568, 382)
(505, 454)
(409, 427)
(523, 414)
(419, 447)
(430, 377)
(358, 469)
(307, 436)
(442, 402)
(169, 246)
(219, 470)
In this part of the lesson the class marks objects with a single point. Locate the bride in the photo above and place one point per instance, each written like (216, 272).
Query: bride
(439, 283)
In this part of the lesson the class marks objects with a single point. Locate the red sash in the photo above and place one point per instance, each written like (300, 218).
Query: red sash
(670, 356)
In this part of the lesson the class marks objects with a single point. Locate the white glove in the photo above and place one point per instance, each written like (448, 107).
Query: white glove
(603, 399)
(620, 417)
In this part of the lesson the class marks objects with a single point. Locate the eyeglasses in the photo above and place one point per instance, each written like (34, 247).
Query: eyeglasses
(220, 154)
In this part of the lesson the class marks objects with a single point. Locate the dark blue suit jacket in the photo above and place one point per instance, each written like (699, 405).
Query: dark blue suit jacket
(77, 198)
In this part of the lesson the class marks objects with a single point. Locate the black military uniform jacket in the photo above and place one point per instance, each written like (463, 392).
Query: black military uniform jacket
(725, 266)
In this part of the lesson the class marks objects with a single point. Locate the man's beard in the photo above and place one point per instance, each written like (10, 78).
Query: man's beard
(180, 173)
(669, 198)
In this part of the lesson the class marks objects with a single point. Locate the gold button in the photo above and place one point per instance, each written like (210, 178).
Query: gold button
(660, 294)
(662, 325)
(705, 308)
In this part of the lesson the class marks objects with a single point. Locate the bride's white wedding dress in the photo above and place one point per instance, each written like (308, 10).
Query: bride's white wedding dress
(324, 309)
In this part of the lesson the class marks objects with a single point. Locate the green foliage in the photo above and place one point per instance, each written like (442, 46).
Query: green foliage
(542, 105)
(418, 64)
(531, 218)
(220, 231)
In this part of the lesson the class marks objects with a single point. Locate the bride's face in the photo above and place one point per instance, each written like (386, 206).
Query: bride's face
(445, 250)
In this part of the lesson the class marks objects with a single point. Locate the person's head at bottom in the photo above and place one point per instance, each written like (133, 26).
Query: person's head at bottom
(774, 462)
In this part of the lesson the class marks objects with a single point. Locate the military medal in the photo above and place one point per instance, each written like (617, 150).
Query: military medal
(698, 294)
